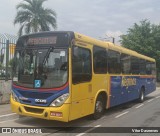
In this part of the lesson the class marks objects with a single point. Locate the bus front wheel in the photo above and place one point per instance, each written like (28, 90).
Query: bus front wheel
(99, 107)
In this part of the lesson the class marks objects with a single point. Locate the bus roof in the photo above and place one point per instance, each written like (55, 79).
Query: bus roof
(49, 32)
(87, 39)
(109, 45)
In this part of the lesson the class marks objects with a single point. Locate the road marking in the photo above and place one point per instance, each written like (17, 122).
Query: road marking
(97, 126)
(121, 114)
(88, 130)
(8, 120)
(7, 115)
(158, 97)
(150, 100)
(103, 117)
(139, 106)
(80, 134)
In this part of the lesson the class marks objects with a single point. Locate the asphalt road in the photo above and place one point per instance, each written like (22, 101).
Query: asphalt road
(133, 114)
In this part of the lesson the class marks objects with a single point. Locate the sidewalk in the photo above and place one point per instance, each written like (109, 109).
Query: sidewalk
(5, 109)
(5, 90)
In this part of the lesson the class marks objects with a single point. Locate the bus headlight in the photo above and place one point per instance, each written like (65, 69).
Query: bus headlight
(14, 96)
(60, 100)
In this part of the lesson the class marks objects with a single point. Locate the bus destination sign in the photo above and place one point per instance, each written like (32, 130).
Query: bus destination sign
(42, 40)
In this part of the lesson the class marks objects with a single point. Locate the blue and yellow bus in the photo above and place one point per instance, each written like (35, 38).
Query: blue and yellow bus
(65, 75)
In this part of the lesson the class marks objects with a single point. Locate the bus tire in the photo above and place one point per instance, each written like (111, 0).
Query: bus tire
(141, 95)
(99, 107)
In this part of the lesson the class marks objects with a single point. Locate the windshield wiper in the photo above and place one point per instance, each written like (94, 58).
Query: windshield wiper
(47, 54)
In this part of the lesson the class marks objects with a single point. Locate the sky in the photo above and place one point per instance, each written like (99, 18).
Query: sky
(95, 18)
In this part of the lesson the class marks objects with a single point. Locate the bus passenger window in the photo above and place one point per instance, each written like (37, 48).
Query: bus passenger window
(114, 65)
(81, 65)
(142, 66)
(153, 65)
(135, 67)
(126, 64)
(150, 68)
(100, 60)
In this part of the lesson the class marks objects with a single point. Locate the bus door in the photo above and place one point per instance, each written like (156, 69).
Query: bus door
(81, 82)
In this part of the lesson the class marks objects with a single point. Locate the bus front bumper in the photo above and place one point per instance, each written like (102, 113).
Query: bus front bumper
(49, 113)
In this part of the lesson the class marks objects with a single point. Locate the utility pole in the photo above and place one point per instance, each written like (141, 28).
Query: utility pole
(113, 39)
(107, 39)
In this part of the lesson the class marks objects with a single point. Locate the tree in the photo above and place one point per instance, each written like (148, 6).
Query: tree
(33, 17)
(144, 38)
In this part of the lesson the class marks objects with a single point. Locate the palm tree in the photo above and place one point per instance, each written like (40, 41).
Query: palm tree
(33, 17)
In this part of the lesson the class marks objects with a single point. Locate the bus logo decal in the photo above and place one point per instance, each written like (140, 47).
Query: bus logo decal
(41, 100)
(128, 81)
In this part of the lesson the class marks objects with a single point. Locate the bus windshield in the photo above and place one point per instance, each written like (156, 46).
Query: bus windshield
(40, 68)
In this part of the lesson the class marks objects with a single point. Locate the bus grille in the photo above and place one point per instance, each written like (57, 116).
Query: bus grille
(33, 110)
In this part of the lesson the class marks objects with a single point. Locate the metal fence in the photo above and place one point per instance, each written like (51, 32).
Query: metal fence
(7, 48)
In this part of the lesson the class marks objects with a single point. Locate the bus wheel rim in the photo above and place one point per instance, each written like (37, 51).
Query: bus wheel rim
(99, 106)
(142, 96)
